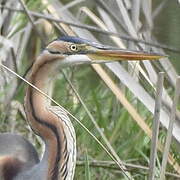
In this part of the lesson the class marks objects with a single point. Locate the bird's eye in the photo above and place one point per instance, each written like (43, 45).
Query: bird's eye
(73, 47)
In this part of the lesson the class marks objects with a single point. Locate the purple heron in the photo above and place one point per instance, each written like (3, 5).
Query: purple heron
(18, 157)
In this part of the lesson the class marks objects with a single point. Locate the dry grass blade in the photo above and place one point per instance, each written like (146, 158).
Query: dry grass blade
(136, 4)
(135, 13)
(32, 21)
(52, 11)
(127, 20)
(155, 129)
(170, 128)
(71, 4)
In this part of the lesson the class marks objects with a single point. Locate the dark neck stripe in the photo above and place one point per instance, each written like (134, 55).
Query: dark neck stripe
(53, 128)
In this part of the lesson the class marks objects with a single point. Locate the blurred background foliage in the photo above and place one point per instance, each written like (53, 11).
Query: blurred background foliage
(166, 27)
(129, 141)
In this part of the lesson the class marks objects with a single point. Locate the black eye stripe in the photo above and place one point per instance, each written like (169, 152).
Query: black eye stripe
(53, 51)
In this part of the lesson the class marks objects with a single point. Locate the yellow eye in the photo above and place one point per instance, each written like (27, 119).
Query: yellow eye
(73, 47)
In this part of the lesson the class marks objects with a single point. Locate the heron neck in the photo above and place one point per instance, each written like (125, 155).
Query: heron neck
(42, 121)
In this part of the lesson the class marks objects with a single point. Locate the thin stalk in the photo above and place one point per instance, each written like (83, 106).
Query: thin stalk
(170, 129)
(155, 129)
(31, 20)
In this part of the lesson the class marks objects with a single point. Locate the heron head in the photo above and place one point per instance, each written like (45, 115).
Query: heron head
(76, 50)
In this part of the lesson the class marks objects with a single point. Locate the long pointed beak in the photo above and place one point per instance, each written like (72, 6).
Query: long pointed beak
(119, 55)
(102, 54)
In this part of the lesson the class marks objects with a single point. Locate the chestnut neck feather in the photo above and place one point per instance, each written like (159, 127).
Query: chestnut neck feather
(42, 121)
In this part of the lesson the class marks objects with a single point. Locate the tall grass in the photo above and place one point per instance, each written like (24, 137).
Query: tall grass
(20, 45)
